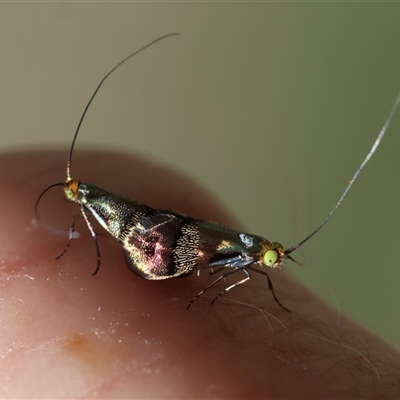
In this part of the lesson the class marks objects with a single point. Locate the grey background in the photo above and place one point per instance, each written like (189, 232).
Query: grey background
(271, 106)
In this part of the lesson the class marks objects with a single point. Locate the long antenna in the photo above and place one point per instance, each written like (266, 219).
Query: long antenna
(97, 89)
(360, 168)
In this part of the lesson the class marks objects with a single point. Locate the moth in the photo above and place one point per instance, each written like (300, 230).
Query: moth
(164, 244)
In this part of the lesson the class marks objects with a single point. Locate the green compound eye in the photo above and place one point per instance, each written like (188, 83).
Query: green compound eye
(69, 194)
(270, 258)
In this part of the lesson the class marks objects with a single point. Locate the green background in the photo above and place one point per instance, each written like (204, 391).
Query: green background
(271, 106)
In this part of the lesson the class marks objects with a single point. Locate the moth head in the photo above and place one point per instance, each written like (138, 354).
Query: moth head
(273, 255)
(71, 187)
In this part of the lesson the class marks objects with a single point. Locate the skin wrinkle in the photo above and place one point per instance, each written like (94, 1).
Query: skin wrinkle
(147, 343)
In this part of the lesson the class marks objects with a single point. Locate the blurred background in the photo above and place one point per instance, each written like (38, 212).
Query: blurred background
(271, 107)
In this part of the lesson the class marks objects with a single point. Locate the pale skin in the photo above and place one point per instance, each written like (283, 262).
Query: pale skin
(66, 334)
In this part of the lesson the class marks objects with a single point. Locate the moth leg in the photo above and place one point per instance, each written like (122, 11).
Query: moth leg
(270, 287)
(70, 236)
(204, 290)
(234, 285)
(212, 270)
(215, 271)
(222, 276)
(238, 263)
(94, 236)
